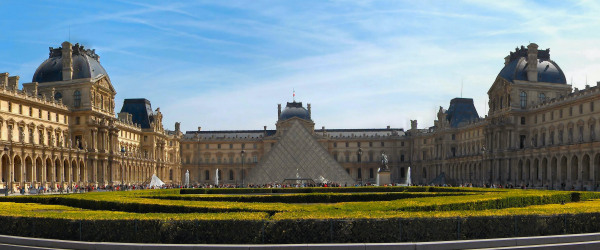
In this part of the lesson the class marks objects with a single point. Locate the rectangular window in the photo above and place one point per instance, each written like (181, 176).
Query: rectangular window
(383, 144)
(371, 173)
(560, 136)
(230, 146)
(20, 109)
(346, 144)
(580, 108)
(522, 120)
(219, 146)
(335, 144)
(570, 111)
(254, 146)
(255, 159)
(401, 158)
(560, 115)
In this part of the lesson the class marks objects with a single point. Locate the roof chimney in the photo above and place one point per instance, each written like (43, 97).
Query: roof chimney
(388, 127)
(199, 128)
(309, 112)
(67, 61)
(532, 60)
(278, 111)
(506, 60)
(13, 83)
(3, 80)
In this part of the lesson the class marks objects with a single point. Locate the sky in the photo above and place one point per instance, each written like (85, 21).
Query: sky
(225, 65)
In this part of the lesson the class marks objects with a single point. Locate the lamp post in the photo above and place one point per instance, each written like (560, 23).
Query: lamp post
(243, 175)
(123, 151)
(483, 162)
(360, 164)
(581, 180)
(10, 180)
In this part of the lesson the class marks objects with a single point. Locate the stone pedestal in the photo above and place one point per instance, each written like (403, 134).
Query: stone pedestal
(384, 178)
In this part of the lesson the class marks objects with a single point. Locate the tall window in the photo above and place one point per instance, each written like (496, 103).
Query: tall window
(523, 100)
(77, 99)
(207, 175)
(542, 97)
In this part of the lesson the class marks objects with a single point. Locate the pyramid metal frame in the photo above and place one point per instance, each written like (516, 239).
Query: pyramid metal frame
(298, 155)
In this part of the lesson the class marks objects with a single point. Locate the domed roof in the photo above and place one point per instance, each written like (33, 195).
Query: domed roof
(294, 109)
(516, 68)
(86, 64)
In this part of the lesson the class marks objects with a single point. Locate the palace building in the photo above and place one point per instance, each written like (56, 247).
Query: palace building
(61, 129)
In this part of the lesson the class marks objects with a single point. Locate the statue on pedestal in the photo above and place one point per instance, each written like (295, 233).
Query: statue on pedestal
(384, 162)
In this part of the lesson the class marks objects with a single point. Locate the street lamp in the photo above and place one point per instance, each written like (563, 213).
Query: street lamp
(123, 151)
(581, 180)
(360, 164)
(243, 175)
(483, 162)
(9, 181)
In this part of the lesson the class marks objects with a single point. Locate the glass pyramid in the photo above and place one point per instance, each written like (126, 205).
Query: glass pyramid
(298, 157)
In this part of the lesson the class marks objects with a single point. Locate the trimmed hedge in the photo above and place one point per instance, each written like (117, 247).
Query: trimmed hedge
(299, 231)
(133, 207)
(368, 189)
(309, 197)
(507, 202)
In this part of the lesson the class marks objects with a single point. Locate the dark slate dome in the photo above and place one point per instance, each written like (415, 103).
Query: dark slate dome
(294, 109)
(86, 64)
(516, 67)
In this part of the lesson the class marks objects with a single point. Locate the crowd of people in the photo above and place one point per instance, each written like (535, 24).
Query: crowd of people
(103, 188)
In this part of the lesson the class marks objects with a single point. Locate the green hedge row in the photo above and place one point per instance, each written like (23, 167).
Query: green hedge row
(310, 197)
(509, 201)
(329, 190)
(299, 231)
(133, 207)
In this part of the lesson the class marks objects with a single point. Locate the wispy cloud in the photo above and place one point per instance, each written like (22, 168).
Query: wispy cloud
(226, 64)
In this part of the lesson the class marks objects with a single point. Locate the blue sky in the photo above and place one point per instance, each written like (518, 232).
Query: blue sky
(361, 64)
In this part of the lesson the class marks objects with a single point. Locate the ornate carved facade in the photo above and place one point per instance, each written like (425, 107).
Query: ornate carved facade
(60, 129)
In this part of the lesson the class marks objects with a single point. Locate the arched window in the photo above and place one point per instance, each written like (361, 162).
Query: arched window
(542, 97)
(77, 99)
(57, 96)
(523, 100)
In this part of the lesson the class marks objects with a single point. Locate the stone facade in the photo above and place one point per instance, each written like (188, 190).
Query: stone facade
(62, 131)
(538, 132)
